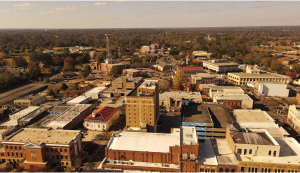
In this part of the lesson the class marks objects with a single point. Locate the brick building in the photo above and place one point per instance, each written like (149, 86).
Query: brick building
(107, 67)
(37, 147)
(142, 106)
(126, 83)
(206, 78)
(132, 72)
(188, 71)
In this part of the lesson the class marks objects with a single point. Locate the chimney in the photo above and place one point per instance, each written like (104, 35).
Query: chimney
(93, 114)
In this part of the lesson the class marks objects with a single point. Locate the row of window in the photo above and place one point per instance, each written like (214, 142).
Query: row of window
(135, 118)
(14, 154)
(56, 150)
(14, 147)
(239, 151)
(57, 156)
(207, 170)
(226, 170)
(144, 114)
(251, 169)
(135, 101)
(144, 110)
(135, 106)
(136, 122)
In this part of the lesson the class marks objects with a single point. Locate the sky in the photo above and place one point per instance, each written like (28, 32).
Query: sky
(146, 14)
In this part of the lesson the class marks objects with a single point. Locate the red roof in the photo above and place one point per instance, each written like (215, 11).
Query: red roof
(103, 114)
(190, 68)
(196, 60)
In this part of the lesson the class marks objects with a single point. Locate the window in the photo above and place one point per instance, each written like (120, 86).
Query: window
(129, 106)
(11, 147)
(52, 156)
(134, 105)
(226, 170)
(129, 122)
(274, 154)
(65, 150)
(61, 157)
(8, 154)
(207, 170)
(128, 109)
(6, 147)
(135, 122)
(144, 102)
(129, 114)
(239, 151)
(134, 110)
(150, 106)
(17, 154)
(150, 118)
(150, 110)
(150, 122)
(128, 101)
(245, 151)
(270, 152)
(233, 170)
(48, 156)
(135, 118)
(16, 148)
(144, 110)
(212, 170)
(51, 149)
(144, 106)
(150, 115)
(150, 102)
(144, 118)
(144, 114)
(57, 157)
(12, 154)
(201, 170)
(62, 163)
(47, 149)
(129, 118)
(250, 151)
(221, 170)
(162, 103)
(67, 163)
(134, 102)
(33, 155)
(66, 157)
(55, 149)
(243, 169)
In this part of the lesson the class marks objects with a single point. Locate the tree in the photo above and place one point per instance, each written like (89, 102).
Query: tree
(19, 62)
(170, 84)
(86, 71)
(64, 86)
(179, 77)
(57, 61)
(34, 70)
(179, 85)
(275, 65)
(292, 74)
(115, 71)
(99, 59)
(191, 87)
(69, 64)
(50, 92)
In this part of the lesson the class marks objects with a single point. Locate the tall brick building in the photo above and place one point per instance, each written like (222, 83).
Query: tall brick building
(37, 147)
(142, 106)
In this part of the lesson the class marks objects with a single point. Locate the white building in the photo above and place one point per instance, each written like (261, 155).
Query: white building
(239, 100)
(102, 119)
(220, 65)
(269, 88)
(225, 90)
(252, 120)
(96, 93)
(80, 100)
(293, 117)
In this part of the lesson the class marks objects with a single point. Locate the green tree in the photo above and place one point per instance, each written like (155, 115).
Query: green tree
(34, 70)
(19, 62)
(64, 86)
(86, 71)
(69, 64)
(50, 92)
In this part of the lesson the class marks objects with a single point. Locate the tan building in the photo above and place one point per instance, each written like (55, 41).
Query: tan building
(132, 72)
(30, 100)
(175, 99)
(252, 70)
(213, 90)
(126, 83)
(38, 147)
(142, 106)
(244, 78)
(220, 65)
(234, 101)
(293, 117)
(102, 118)
(188, 71)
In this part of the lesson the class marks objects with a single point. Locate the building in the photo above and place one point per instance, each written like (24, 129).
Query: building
(34, 116)
(132, 72)
(108, 66)
(163, 66)
(214, 90)
(142, 106)
(210, 120)
(201, 54)
(290, 53)
(71, 117)
(126, 83)
(102, 118)
(199, 62)
(244, 78)
(270, 88)
(188, 71)
(30, 100)
(293, 117)
(80, 100)
(260, 152)
(95, 93)
(220, 65)
(175, 152)
(207, 78)
(37, 147)
(234, 101)
(252, 70)
(22, 113)
(227, 161)
(251, 120)
(204, 88)
(175, 99)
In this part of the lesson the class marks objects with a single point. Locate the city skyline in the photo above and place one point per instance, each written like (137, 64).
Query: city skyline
(145, 14)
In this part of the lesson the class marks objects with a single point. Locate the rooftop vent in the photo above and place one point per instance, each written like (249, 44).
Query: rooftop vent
(93, 114)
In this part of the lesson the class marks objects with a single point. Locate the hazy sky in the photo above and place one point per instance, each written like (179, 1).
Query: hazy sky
(146, 14)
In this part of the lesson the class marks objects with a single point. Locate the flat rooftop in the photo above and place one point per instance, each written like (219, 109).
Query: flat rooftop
(188, 135)
(289, 153)
(19, 92)
(26, 111)
(232, 97)
(251, 116)
(95, 90)
(40, 136)
(270, 82)
(128, 79)
(148, 84)
(132, 70)
(220, 63)
(181, 94)
(263, 75)
(78, 99)
(223, 152)
(35, 113)
(206, 155)
(66, 117)
(258, 138)
(30, 97)
(220, 116)
(196, 113)
(143, 141)
(58, 109)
